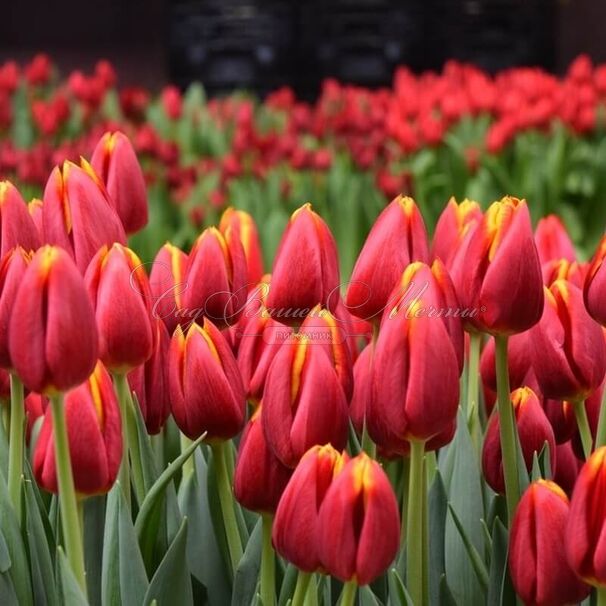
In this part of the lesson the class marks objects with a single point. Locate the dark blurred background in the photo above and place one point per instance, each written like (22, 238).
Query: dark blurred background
(260, 45)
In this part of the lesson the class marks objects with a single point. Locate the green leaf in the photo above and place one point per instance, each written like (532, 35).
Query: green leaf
(5, 556)
(110, 567)
(171, 584)
(245, 580)
(288, 584)
(366, 597)
(8, 597)
(398, 596)
(94, 527)
(438, 510)
(150, 472)
(498, 565)
(446, 597)
(69, 591)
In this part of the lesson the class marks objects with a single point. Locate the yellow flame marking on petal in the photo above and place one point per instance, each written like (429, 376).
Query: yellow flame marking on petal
(48, 256)
(4, 187)
(407, 204)
(306, 206)
(554, 488)
(297, 368)
(362, 472)
(95, 392)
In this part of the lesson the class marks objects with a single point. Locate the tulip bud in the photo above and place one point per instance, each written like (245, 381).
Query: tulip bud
(35, 407)
(362, 388)
(453, 224)
(585, 536)
(167, 285)
(518, 361)
(119, 289)
(562, 269)
(259, 477)
(397, 238)
(35, 212)
(537, 559)
(595, 285)
(305, 271)
(562, 419)
(206, 391)
(13, 266)
(501, 253)
(77, 214)
(216, 278)
(94, 434)
(16, 225)
(553, 241)
(303, 402)
(359, 523)
(150, 382)
(415, 387)
(295, 530)
(115, 161)
(568, 349)
(52, 333)
(533, 430)
(568, 467)
(244, 229)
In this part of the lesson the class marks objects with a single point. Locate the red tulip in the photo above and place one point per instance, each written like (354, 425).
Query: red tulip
(518, 361)
(150, 382)
(167, 285)
(77, 214)
(533, 430)
(115, 161)
(585, 536)
(35, 212)
(206, 391)
(568, 349)
(16, 225)
(362, 389)
(245, 229)
(537, 561)
(52, 333)
(119, 289)
(568, 467)
(94, 434)
(553, 241)
(35, 407)
(305, 271)
(500, 254)
(453, 224)
(359, 523)
(296, 536)
(595, 285)
(303, 402)
(562, 269)
(216, 279)
(259, 477)
(561, 418)
(397, 238)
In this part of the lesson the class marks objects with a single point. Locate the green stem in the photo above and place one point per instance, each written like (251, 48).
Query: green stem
(507, 427)
(16, 441)
(600, 438)
(303, 579)
(349, 593)
(124, 473)
(189, 466)
(414, 525)
(601, 593)
(234, 543)
(405, 493)
(70, 521)
(268, 565)
(472, 410)
(580, 412)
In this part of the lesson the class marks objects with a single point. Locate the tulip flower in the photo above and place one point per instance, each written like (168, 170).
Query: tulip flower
(567, 468)
(595, 285)
(206, 391)
(303, 402)
(305, 271)
(35, 212)
(16, 225)
(518, 361)
(150, 382)
(585, 531)
(561, 418)
(534, 431)
(553, 241)
(216, 282)
(115, 161)
(362, 389)
(118, 287)
(167, 285)
(49, 350)
(77, 214)
(562, 269)
(453, 224)
(244, 228)
(499, 255)
(94, 434)
(537, 559)
(259, 477)
(397, 238)
(359, 523)
(296, 534)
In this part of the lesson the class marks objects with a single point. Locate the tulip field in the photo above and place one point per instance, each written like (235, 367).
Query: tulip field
(289, 353)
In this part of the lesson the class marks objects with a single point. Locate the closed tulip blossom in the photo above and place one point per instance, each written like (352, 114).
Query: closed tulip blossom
(553, 241)
(296, 533)
(519, 360)
(359, 523)
(305, 271)
(119, 289)
(94, 435)
(501, 277)
(115, 161)
(397, 238)
(206, 391)
(562, 269)
(595, 285)
(49, 350)
(77, 214)
(16, 225)
(539, 570)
